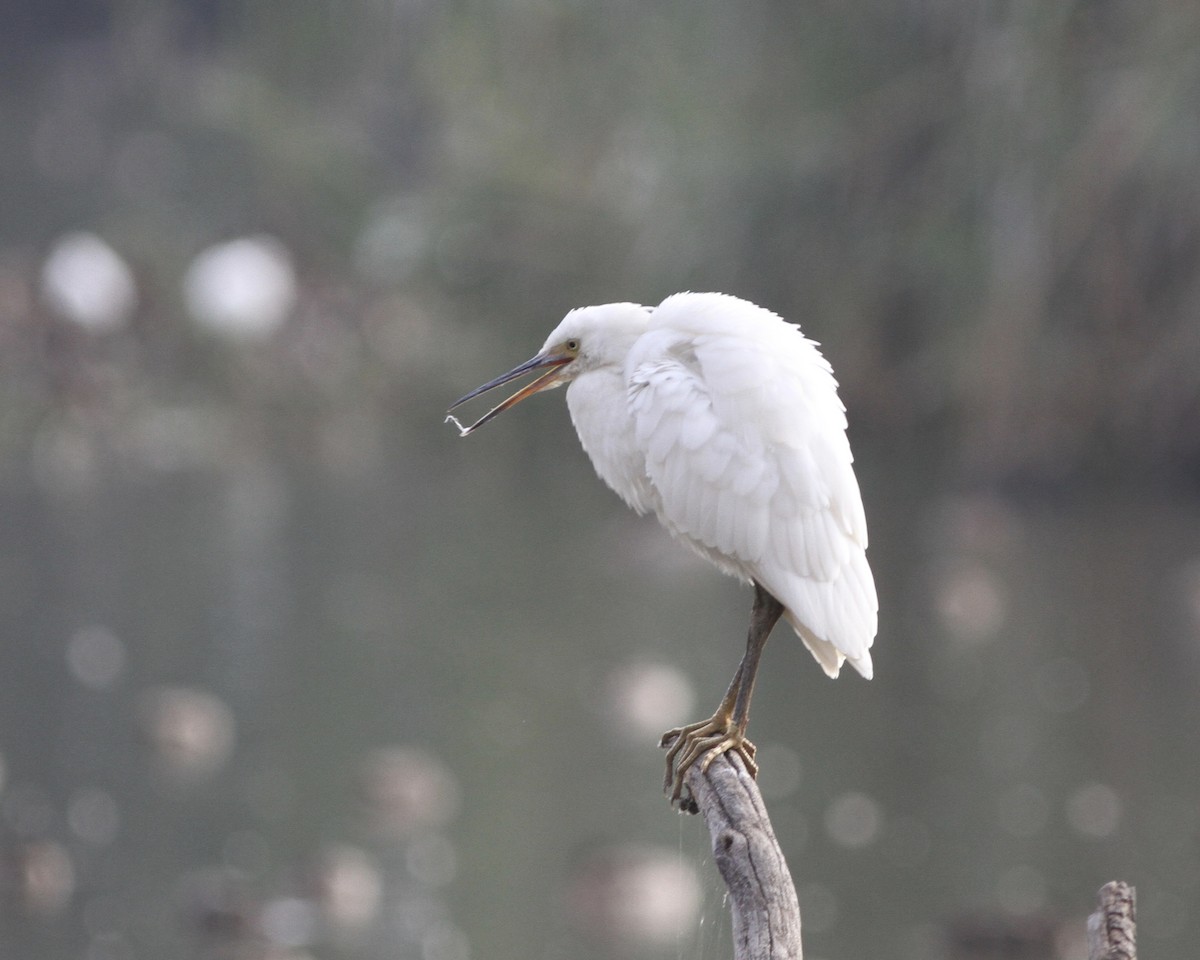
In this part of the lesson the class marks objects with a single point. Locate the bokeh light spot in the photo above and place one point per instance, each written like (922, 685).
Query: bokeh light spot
(970, 603)
(1094, 810)
(192, 731)
(407, 791)
(351, 887)
(630, 897)
(648, 698)
(95, 657)
(45, 877)
(243, 289)
(853, 820)
(85, 281)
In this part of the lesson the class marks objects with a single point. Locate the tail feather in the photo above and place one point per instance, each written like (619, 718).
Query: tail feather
(827, 655)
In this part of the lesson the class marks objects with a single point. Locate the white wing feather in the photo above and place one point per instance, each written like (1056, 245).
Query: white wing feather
(737, 442)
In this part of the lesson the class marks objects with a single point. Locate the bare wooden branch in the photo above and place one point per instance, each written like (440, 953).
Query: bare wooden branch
(1112, 929)
(762, 898)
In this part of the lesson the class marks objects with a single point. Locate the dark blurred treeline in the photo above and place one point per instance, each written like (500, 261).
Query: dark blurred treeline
(989, 212)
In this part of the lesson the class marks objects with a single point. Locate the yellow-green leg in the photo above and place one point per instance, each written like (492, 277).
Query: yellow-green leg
(725, 730)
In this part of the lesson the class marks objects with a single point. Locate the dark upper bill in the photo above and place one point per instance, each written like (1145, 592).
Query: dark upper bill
(550, 364)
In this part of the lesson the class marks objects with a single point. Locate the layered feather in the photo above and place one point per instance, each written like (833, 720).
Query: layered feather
(724, 421)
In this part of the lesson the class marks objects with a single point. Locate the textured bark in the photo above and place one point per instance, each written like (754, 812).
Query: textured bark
(1112, 929)
(762, 898)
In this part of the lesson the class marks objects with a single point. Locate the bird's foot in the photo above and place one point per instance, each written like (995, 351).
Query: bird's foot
(701, 742)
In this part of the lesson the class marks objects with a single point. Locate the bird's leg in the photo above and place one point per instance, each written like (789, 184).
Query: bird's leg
(726, 729)
(678, 737)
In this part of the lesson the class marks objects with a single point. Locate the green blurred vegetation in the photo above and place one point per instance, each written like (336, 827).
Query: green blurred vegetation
(987, 212)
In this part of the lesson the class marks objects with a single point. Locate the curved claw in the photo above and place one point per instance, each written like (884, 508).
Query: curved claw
(702, 742)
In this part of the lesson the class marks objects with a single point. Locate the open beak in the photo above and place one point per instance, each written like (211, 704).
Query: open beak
(551, 364)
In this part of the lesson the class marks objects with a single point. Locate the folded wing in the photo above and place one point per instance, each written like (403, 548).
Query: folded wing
(746, 454)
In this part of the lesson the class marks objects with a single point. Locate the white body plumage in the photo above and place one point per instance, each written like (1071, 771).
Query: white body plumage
(724, 421)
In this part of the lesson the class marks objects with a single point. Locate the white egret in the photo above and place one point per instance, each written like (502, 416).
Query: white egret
(724, 420)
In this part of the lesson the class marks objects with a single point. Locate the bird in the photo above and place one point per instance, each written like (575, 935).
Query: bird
(723, 420)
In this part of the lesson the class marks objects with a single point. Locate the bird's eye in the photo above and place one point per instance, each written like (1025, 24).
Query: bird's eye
(572, 345)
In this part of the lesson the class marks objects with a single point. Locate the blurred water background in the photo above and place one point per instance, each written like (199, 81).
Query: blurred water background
(289, 671)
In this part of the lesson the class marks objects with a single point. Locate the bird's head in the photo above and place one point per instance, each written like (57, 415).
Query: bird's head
(587, 339)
